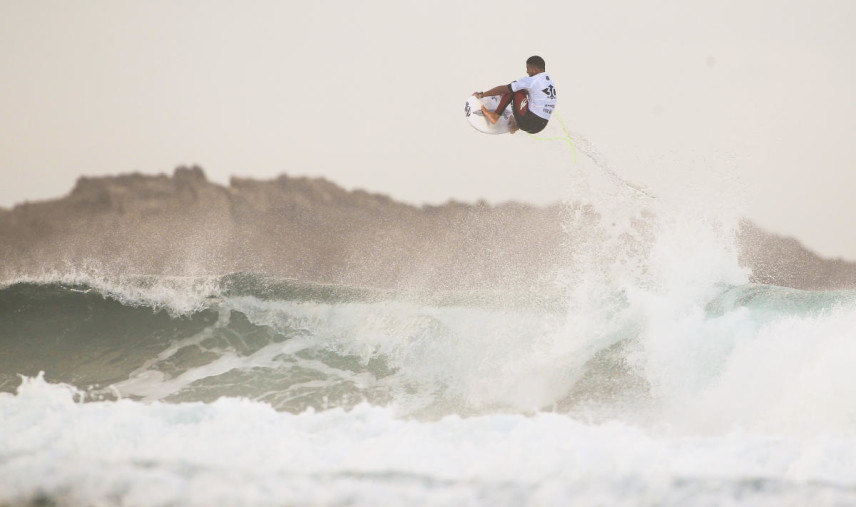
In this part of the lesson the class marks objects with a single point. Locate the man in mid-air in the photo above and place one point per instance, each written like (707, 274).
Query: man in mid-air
(533, 98)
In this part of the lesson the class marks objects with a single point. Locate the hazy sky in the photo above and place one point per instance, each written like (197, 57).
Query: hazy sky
(750, 102)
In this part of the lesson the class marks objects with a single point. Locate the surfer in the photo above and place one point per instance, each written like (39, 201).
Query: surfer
(533, 98)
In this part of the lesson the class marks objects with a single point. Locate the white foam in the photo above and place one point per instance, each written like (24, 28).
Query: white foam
(791, 376)
(478, 357)
(241, 452)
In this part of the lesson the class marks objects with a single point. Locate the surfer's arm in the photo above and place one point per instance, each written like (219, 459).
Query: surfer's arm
(496, 90)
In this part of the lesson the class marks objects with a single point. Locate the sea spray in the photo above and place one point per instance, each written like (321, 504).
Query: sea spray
(652, 373)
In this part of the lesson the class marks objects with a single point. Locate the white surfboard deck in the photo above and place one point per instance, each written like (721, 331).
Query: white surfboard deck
(478, 120)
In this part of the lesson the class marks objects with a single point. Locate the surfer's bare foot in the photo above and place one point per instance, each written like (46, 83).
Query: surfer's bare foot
(490, 115)
(512, 126)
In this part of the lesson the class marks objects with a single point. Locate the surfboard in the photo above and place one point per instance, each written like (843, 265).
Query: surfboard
(478, 120)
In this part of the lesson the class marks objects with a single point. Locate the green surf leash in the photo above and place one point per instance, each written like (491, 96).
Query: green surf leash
(639, 190)
(567, 138)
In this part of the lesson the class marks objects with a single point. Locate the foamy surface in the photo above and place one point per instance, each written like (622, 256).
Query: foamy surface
(236, 451)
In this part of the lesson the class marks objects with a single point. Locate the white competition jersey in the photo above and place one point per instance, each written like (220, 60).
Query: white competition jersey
(542, 93)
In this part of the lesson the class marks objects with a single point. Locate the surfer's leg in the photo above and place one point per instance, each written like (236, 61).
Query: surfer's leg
(521, 102)
(518, 111)
(519, 98)
(504, 100)
(491, 116)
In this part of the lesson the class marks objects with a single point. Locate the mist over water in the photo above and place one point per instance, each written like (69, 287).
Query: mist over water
(650, 372)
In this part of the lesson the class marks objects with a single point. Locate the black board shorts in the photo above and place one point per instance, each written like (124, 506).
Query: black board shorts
(529, 121)
(526, 120)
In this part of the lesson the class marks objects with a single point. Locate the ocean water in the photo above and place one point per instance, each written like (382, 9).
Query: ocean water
(650, 373)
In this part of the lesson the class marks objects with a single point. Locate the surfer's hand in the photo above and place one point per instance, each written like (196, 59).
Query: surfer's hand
(478, 95)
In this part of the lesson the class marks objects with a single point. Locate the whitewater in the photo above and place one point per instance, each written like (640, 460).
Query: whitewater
(650, 372)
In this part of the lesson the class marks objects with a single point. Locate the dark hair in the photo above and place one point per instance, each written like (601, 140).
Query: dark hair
(537, 61)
